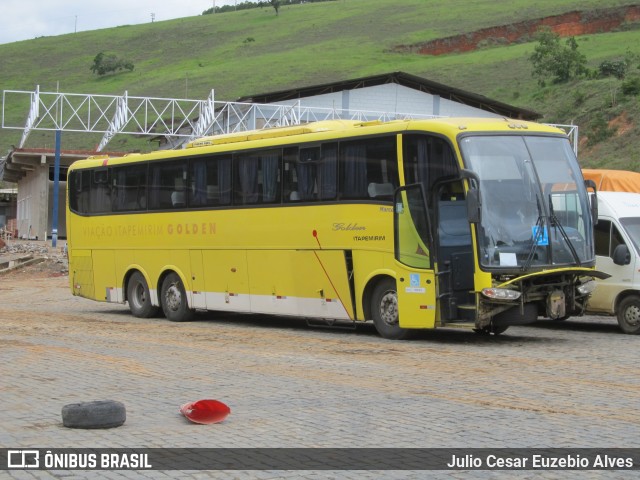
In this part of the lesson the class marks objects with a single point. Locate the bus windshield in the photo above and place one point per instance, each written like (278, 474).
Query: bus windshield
(534, 204)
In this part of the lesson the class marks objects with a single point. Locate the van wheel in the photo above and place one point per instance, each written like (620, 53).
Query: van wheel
(384, 309)
(173, 299)
(139, 298)
(629, 314)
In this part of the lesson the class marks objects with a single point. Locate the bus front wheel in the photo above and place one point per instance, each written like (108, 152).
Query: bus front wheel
(384, 310)
(173, 299)
(139, 298)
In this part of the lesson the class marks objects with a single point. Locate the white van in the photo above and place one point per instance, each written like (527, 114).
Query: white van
(617, 239)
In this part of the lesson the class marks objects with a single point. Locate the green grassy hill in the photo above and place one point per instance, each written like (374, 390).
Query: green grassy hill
(255, 51)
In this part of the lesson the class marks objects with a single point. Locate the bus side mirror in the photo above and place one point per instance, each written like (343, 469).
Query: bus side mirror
(594, 200)
(474, 201)
(621, 255)
(473, 206)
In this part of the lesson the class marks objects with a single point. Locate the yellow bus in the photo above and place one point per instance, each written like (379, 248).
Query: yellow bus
(411, 224)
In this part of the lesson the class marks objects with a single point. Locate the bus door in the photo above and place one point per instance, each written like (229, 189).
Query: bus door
(454, 253)
(415, 278)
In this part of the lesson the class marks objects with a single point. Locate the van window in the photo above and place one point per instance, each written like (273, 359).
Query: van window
(607, 238)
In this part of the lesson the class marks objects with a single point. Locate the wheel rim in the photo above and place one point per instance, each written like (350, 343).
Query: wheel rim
(173, 297)
(632, 315)
(139, 295)
(389, 308)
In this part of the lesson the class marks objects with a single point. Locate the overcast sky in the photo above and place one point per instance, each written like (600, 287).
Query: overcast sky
(27, 19)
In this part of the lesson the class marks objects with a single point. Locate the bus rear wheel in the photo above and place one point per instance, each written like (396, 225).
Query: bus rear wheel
(173, 299)
(384, 310)
(495, 329)
(139, 298)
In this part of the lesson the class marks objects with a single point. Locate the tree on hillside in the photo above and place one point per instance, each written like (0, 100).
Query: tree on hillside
(276, 5)
(103, 64)
(551, 59)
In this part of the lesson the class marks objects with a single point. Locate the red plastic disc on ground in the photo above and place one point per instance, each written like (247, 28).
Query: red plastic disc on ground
(205, 411)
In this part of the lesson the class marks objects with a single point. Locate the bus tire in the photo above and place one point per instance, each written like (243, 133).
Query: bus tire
(173, 299)
(96, 414)
(495, 329)
(384, 310)
(499, 329)
(139, 298)
(629, 315)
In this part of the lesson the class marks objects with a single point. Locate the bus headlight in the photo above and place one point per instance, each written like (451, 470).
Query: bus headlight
(587, 287)
(501, 293)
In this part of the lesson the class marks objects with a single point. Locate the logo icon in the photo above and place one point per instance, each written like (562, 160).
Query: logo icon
(23, 459)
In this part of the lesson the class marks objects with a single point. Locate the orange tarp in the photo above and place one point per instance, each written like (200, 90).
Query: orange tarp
(613, 180)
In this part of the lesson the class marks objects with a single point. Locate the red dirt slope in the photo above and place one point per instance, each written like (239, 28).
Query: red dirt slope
(565, 25)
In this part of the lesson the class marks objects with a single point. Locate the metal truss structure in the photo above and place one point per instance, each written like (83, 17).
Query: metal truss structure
(572, 133)
(178, 120)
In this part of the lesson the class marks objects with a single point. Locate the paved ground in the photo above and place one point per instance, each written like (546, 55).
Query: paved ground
(567, 384)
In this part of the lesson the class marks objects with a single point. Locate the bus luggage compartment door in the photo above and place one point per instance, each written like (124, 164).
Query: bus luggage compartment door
(415, 278)
(81, 273)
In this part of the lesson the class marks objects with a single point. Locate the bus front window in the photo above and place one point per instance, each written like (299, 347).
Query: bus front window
(534, 208)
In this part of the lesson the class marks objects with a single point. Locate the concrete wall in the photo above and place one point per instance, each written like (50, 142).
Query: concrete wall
(35, 204)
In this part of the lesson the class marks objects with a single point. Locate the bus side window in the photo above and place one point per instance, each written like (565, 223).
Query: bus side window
(167, 185)
(80, 191)
(369, 169)
(100, 192)
(307, 174)
(129, 188)
(210, 183)
(290, 175)
(310, 173)
(327, 172)
(257, 177)
(427, 159)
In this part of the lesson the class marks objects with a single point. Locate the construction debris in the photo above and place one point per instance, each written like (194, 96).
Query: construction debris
(36, 255)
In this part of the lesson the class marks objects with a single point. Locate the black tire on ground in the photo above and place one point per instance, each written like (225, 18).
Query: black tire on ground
(629, 315)
(384, 310)
(139, 298)
(96, 414)
(173, 299)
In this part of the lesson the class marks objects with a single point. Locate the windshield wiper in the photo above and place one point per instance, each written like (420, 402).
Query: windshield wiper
(539, 229)
(556, 223)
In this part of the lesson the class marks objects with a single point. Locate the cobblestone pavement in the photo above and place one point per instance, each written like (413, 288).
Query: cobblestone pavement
(553, 384)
